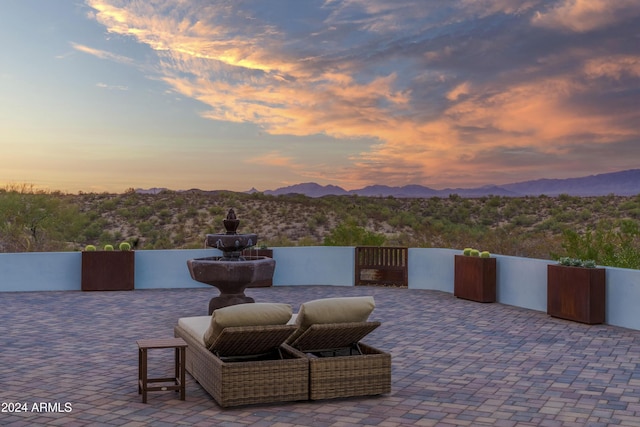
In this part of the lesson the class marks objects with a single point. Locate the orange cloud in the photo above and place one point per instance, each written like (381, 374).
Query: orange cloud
(247, 70)
(613, 66)
(587, 15)
(102, 54)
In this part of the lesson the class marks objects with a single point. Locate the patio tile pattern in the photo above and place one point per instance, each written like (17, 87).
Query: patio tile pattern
(454, 363)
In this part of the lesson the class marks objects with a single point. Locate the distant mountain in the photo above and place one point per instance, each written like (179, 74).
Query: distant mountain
(623, 183)
(150, 190)
(310, 189)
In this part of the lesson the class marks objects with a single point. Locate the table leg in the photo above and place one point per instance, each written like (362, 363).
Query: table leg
(144, 375)
(182, 372)
(139, 371)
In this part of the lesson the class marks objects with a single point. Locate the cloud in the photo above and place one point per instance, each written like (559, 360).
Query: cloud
(457, 90)
(102, 54)
(112, 87)
(587, 15)
(272, 159)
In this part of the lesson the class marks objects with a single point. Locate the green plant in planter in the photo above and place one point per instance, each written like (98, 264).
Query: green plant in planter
(576, 262)
(475, 252)
(108, 247)
(90, 248)
(124, 246)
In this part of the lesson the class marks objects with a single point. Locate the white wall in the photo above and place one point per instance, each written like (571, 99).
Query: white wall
(521, 282)
(431, 268)
(623, 297)
(314, 265)
(168, 268)
(40, 271)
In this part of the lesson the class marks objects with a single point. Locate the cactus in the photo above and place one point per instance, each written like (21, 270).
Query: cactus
(108, 247)
(467, 251)
(485, 254)
(90, 248)
(475, 252)
(124, 246)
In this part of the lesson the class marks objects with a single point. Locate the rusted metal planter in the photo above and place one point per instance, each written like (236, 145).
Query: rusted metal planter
(475, 278)
(108, 270)
(576, 293)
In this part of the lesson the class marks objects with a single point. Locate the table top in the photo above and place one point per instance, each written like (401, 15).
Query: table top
(161, 343)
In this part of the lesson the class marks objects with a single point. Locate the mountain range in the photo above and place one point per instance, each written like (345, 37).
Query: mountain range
(623, 183)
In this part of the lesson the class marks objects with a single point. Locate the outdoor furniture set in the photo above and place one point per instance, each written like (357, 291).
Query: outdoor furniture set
(263, 353)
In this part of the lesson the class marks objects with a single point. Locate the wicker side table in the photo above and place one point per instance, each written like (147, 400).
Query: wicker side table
(178, 379)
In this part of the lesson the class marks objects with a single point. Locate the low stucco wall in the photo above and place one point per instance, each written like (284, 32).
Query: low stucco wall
(168, 268)
(40, 271)
(314, 265)
(623, 297)
(521, 282)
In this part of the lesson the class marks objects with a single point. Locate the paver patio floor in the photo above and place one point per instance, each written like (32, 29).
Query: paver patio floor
(454, 363)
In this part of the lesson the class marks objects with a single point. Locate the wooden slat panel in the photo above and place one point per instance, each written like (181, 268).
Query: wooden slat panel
(389, 265)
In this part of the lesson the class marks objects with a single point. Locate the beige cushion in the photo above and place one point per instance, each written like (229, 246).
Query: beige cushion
(195, 326)
(253, 314)
(333, 310)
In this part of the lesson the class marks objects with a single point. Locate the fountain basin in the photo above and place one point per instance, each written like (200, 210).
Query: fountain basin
(233, 243)
(230, 277)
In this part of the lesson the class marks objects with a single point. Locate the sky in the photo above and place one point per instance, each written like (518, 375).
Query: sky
(107, 95)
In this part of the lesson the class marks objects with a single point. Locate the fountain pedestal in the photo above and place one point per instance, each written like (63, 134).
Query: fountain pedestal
(231, 273)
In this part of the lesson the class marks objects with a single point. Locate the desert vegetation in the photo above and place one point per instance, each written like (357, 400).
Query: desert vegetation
(605, 229)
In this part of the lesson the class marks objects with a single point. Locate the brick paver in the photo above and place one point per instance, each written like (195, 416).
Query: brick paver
(70, 359)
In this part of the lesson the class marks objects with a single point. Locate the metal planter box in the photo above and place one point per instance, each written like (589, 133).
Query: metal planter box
(576, 293)
(108, 270)
(475, 278)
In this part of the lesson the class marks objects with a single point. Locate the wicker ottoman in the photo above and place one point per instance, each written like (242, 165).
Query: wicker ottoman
(346, 376)
(340, 365)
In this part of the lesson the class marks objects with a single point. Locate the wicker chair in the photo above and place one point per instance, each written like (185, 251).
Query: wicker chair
(340, 365)
(247, 365)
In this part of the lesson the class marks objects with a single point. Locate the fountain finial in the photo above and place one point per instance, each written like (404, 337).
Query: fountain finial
(231, 223)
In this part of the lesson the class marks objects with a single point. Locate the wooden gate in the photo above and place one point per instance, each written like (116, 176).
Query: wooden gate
(384, 266)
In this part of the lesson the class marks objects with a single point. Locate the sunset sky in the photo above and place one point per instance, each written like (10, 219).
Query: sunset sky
(105, 95)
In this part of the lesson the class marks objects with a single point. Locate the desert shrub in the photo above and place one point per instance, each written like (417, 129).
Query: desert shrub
(351, 234)
(615, 245)
(524, 220)
(143, 212)
(33, 220)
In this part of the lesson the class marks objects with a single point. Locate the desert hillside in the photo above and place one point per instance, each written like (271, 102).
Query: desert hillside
(603, 228)
(526, 226)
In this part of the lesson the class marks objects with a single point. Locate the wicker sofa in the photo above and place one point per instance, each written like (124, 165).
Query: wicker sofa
(261, 353)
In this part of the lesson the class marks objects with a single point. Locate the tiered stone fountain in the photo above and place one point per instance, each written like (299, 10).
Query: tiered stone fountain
(231, 273)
